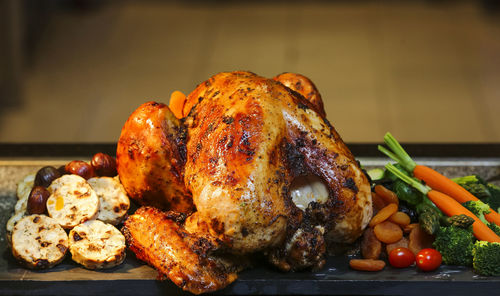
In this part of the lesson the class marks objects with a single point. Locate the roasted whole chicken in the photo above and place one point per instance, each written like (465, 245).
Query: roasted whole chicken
(253, 166)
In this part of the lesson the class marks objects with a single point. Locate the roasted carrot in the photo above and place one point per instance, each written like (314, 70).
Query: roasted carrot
(431, 177)
(176, 104)
(448, 206)
(445, 185)
(451, 207)
(441, 183)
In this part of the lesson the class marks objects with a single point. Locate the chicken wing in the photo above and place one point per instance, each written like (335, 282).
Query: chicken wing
(156, 237)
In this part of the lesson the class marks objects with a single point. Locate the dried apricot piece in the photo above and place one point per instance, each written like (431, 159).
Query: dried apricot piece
(400, 218)
(384, 214)
(386, 194)
(367, 264)
(388, 232)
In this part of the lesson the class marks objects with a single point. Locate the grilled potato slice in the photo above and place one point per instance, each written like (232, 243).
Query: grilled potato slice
(20, 209)
(97, 245)
(13, 220)
(72, 201)
(24, 187)
(114, 202)
(39, 242)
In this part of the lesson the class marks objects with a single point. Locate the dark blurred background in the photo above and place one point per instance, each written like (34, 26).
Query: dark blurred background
(428, 71)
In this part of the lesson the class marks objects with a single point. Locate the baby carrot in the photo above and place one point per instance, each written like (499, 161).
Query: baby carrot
(448, 206)
(431, 177)
(445, 185)
(451, 207)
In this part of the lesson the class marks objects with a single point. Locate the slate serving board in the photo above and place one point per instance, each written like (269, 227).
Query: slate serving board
(135, 278)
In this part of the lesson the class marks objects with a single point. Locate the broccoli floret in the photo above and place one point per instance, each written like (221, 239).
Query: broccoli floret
(494, 200)
(478, 208)
(462, 221)
(479, 190)
(486, 258)
(467, 180)
(455, 245)
(494, 227)
(486, 192)
(475, 185)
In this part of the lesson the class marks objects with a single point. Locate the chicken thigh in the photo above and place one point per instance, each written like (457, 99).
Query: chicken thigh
(254, 148)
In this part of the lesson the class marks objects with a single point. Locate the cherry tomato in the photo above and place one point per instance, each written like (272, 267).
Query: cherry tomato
(401, 257)
(428, 259)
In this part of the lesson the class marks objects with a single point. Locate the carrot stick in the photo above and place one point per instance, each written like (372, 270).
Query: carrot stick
(451, 207)
(441, 183)
(448, 206)
(432, 178)
(445, 185)
(176, 104)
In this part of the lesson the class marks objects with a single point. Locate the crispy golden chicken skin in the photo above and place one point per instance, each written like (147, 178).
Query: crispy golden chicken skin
(248, 140)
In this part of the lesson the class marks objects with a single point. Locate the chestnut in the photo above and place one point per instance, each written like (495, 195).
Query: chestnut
(104, 165)
(46, 175)
(37, 200)
(80, 168)
(62, 170)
